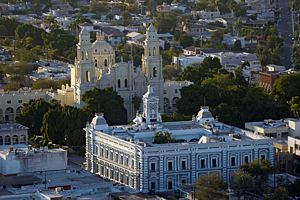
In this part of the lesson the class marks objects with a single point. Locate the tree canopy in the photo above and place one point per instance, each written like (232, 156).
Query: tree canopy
(108, 102)
(210, 187)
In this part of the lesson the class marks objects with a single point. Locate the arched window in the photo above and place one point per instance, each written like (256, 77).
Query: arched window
(82, 55)
(125, 83)
(105, 63)
(96, 64)
(15, 139)
(1, 140)
(153, 51)
(174, 101)
(22, 139)
(18, 111)
(166, 103)
(119, 83)
(149, 52)
(87, 76)
(154, 72)
(9, 114)
(7, 140)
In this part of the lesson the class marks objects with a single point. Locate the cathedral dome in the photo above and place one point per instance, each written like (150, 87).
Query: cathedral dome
(101, 46)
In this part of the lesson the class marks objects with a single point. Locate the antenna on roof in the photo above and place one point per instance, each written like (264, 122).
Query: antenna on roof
(98, 110)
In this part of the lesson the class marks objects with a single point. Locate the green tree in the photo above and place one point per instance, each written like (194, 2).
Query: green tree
(32, 115)
(172, 72)
(210, 187)
(295, 106)
(108, 102)
(279, 193)
(186, 40)
(216, 38)
(286, 87)
(259, 169)
(166, 23)
(242, 182)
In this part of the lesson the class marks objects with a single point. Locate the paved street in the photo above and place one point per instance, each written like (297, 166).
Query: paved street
(285, 30)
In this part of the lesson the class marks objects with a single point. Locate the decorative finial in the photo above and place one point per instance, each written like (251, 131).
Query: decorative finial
(99, 35)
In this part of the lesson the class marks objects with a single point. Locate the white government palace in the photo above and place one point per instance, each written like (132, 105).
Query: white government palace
(128, 154)
(95, 66)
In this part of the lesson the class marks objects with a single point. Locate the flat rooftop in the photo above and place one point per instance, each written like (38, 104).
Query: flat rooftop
(268, 124)
(184, 131)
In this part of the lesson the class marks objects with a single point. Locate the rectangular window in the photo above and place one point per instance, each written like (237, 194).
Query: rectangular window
(121, 160)
(214, 163)
(102, 152)
(183, 182)
(9, 102)
(127, 161)
(152, 167)
(111, 156)
(232, 161)
(106, 154)
(102, 170)
(132, 164)
(20, 101)
(246, 159)
(202, 163)
(262, 157)
(183, 165)
(170, 166)
(117, 158)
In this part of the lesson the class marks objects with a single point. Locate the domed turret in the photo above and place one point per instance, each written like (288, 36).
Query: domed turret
(99, 123)
(204, 115)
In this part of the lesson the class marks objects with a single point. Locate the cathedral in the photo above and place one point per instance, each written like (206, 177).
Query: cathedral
(95, 66)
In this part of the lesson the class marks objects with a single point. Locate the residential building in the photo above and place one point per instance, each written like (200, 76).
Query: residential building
(285, 131)
(230, 60)
(17, 157)
(195, 29)
(267, 79)
(131, 154)
(203, 14)
(113, 36)
(269, 128)
(275, 68)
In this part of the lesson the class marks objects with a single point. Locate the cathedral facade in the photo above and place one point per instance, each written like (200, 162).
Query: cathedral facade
(95, 66)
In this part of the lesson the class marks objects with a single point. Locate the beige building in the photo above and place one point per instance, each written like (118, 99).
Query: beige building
(11, 102)
(172, 93)
(95, 66)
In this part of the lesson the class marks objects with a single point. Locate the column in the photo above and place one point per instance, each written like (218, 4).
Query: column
(145, 174)
(224, 165)
(193, 167)
(161, 174)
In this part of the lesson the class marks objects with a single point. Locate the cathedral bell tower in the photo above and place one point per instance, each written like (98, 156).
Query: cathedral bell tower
(83, 71)
(152, 64)
(150, 107)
